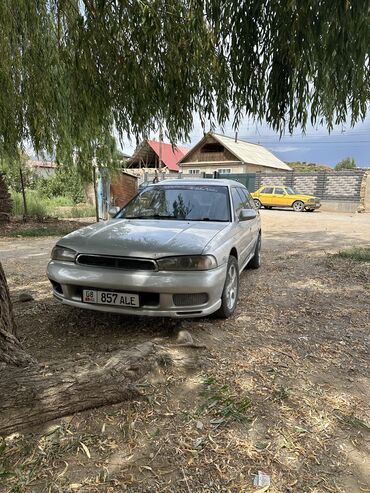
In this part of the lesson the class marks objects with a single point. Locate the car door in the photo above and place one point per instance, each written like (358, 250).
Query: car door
(248, 203)
(279, 197)
(265, 196)
(244, 228)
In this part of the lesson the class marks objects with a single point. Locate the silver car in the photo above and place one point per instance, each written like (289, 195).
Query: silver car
(176, 250)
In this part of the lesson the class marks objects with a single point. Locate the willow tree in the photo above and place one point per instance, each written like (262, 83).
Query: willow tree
(72, 71)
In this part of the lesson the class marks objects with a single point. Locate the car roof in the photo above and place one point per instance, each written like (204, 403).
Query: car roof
(275, 186)
(199, 181)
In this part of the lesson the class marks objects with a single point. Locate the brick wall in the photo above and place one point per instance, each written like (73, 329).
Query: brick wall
(123, 188)
(5, 201)
(335, 185)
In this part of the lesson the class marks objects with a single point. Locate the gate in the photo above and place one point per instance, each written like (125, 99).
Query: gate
(246, 179)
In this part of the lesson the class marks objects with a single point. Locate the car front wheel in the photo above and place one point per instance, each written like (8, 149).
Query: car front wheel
(230, 294)
(257, 203)
(298, 206)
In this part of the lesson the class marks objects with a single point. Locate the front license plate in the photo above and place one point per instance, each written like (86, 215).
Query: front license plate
(110, 298)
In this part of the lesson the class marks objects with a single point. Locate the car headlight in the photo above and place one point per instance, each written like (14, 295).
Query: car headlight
(193, 262)
(64, 254)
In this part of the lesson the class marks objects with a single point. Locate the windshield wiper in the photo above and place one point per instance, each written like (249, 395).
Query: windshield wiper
(209, 219)
(152, 216)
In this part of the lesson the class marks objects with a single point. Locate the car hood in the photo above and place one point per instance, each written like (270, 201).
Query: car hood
(305, 198)
(143, 238)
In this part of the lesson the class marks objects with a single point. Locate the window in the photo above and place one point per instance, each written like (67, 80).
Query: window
(279, 191)
(266, 190)
(207, 148)
(290, 191)
(237, 201)
(180, 202)
(194, 171)
(224, 170)
(248, 202)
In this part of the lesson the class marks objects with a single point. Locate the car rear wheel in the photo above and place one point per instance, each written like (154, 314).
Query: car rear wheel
(298, 206)
(255, 262)
(257, 203)
(230, 294)
(310, 210)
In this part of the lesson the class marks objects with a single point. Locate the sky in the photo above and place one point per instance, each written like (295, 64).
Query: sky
(317, 146)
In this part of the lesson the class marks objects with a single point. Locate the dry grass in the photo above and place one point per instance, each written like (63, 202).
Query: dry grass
(283, 387)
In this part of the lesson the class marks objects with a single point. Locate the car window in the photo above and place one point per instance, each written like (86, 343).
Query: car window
(179, 202)
(279, 191)
(290, 191)
(248, 202)
(266, 190)
(237, 201)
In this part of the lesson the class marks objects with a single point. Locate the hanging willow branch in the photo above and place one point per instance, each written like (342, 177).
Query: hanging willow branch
(71, 71)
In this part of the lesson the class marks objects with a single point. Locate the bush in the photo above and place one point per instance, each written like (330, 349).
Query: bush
(347, 163)
(65, 183)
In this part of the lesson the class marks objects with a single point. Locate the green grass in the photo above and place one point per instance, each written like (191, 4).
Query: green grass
(78, 211)
(39, 206)
(360, 254)
(224, 404)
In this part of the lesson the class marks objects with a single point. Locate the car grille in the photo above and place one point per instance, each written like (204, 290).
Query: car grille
(125, 263)
(190, 299)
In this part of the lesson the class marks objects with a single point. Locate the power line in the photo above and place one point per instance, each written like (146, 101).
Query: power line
(260, 141)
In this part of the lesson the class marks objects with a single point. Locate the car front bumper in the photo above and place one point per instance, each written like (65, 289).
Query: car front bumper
(312, 205)
(155, 289)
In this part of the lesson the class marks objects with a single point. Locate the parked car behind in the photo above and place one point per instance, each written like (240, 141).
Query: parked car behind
(177, 250)
(271, 196)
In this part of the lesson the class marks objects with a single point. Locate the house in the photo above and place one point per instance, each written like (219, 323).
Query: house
(42, 169)
(223, 154)
(149, 153)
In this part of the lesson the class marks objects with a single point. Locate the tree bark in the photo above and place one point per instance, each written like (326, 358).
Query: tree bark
(38, 394)
(11, 351)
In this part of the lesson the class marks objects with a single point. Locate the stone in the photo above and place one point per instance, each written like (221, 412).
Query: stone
(23, 297)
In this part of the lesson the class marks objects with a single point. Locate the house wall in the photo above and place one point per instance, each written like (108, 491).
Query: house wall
(209, 162)
(44, 172)
(236, 167)
(123, 188)
(198, 156)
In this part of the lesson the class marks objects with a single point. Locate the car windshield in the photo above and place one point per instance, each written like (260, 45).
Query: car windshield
(180, 202)
(290, 191)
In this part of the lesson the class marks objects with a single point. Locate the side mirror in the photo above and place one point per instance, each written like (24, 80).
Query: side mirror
(247, 214)
(113, 211)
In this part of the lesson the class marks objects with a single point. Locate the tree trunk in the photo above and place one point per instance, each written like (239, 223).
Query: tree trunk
(11, 351)
(38, 394)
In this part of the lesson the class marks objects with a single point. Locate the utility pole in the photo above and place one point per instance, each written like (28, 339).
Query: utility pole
(23, 194)
(160, 146)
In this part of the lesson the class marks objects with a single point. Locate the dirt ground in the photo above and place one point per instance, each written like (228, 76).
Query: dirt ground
(283, 387)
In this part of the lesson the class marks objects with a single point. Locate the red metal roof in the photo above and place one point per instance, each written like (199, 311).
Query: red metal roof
(170, 156)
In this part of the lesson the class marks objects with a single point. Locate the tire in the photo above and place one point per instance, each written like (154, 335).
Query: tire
(255, 262)
(310, 210)
(230, 293)
(257, 203)
(269, 207)
(298, 206)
